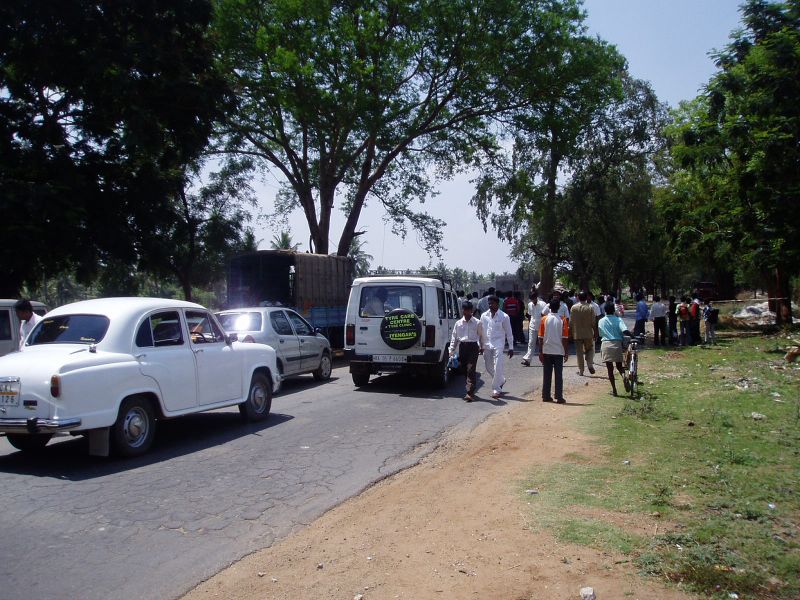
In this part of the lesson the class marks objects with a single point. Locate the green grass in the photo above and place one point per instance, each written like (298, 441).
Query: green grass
(720, 486)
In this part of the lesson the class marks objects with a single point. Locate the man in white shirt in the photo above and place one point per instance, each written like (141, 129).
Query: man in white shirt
(467, 342)
(658, 315)
(497, 329)
(563, 309)
(535, 308)
(553, 352)
(27, 319)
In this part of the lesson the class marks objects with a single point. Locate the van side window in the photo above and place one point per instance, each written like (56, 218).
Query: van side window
(5, 325)
(442, 307)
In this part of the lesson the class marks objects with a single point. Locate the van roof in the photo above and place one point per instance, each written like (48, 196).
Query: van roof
(390, 279)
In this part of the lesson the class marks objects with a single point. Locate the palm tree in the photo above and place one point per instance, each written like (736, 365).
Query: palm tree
(361, 260)
(283, 241)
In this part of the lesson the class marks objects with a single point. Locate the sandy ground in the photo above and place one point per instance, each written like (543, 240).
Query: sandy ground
(454, 526)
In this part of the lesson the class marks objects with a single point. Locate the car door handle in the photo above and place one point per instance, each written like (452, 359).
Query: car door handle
(197, 350)
(139, 356)
(281, 340)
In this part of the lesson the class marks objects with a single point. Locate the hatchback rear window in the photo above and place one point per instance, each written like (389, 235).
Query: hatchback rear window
(69, 329)
(378, 300)
(243, 321)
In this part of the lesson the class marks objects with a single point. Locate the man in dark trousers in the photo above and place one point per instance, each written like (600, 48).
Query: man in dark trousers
(513, 308)
(553, 351)
(467, 342)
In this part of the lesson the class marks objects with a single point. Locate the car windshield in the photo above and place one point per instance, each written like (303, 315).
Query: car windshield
(243, 321)
(378, 300)
(69, 329)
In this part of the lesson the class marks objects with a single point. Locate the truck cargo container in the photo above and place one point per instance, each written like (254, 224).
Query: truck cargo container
(315, 285)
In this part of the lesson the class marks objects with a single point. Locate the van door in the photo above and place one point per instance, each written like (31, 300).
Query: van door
(374, 302)
(8, 341)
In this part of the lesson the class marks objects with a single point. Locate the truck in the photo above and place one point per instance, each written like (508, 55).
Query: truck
(315, 285)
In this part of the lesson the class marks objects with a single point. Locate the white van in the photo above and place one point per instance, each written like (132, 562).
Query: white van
(400, 324)
(9, 324)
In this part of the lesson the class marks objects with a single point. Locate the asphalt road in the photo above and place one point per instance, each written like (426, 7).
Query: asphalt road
(214, 489)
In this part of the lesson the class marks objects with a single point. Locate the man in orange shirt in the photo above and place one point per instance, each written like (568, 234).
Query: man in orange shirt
(553, 352)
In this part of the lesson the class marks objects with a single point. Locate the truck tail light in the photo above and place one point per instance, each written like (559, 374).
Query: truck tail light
(350, 335)
(55, 386)
(430, 336)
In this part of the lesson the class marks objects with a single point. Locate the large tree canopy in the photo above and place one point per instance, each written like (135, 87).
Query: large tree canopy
(355, 100)
(737, 148)
(102, 106)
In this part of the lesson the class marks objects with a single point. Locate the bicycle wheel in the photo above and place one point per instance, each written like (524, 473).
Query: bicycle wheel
(634, 376)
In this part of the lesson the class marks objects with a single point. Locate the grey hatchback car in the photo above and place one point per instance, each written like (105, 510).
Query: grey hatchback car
(299, 348)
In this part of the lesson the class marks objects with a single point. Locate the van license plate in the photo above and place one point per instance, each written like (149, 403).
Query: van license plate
(389, 358)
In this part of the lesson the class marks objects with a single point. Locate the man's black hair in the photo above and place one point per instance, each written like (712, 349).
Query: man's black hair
(609, 308)
(467, 304)
(582, 296)
(23, 306)
(493, 298)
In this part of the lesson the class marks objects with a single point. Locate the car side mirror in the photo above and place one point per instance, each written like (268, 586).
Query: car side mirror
(231, 337)
(318, 330)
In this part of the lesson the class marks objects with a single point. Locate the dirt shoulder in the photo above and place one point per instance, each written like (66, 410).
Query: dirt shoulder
(454, 526)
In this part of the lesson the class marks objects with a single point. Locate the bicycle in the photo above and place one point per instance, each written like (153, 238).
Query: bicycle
(631, 375)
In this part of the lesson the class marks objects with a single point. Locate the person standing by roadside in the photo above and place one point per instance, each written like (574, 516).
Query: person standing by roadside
(672, 317)
(612, 330)
(682, 313)
(483, 303)
(27, 319)
(497, 329)
(710, 318)
(582, 326)
(513, 308)
(553, 352)
(535, 307)
(695, 315)
(642, 312)
(467, 342)
(658, 313)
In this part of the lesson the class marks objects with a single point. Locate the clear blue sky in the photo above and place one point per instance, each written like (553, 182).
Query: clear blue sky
(665, 42)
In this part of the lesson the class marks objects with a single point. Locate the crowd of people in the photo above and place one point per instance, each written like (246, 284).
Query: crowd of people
(494, 322)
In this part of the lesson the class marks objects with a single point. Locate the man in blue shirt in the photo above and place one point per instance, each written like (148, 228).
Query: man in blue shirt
(642, 312)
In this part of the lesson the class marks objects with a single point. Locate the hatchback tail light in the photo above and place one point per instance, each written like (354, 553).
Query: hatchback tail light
(430, 336)
(350, 335)
(55, 386)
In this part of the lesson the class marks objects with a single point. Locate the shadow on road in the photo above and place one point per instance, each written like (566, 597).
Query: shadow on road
(69, 459)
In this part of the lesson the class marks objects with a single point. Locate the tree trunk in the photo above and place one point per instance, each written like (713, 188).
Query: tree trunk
(780, 297)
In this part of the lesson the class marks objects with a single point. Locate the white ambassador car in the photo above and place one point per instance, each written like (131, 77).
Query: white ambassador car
(110, 368)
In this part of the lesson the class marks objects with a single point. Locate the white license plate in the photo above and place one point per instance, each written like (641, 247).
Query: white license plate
(9, 391)
(389, 358)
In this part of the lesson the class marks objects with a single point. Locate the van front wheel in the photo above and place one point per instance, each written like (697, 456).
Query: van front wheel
(360, 377)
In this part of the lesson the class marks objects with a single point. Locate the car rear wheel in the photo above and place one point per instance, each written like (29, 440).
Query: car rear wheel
(259, 399)
(28, 442)
(135, 428)
(324, 370)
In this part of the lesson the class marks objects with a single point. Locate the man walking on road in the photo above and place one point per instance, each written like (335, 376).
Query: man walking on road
(553, 352)
(467, 342)
(535, 307)
(497, 329)
(582, 325)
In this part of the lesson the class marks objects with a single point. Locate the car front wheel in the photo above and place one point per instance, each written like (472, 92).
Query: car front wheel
(324, 370)
(259, 399)
(28, 442)
(135, 428)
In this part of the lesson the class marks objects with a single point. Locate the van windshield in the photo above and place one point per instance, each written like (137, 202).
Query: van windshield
(69, 329)
(379, 300)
